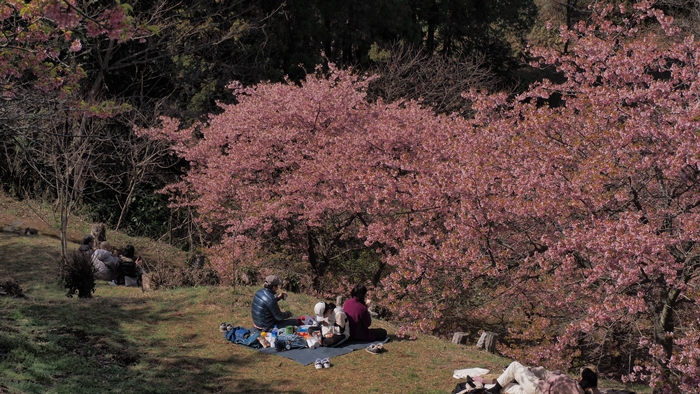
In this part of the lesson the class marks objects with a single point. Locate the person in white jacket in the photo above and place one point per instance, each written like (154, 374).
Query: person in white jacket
(105, 262)
(334, 324)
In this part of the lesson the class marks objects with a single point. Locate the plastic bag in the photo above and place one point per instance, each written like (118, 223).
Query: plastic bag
(313, 343)
(306, 320)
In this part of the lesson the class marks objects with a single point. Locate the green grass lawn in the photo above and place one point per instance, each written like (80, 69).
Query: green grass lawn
(168, 341)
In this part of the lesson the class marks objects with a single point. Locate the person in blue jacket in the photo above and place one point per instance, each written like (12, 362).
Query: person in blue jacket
(265, 309)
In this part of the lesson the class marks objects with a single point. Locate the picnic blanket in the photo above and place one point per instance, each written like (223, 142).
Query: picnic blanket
(307, 356)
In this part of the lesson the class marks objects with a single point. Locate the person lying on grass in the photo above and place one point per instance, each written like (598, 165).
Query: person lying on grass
(265, 308)
(518, 379)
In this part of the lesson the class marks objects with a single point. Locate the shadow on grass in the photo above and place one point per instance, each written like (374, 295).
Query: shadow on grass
(106, 344)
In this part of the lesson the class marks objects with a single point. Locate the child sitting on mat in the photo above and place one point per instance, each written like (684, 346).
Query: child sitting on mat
(333, 322)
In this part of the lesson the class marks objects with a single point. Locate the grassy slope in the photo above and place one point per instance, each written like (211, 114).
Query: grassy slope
(124, 340)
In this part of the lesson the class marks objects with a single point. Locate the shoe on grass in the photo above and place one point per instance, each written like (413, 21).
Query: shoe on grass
(319, 363)
(222, 327)
(326, 362)
(372, 348)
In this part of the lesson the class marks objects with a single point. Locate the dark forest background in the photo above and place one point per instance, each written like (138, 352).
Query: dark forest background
(422, 49)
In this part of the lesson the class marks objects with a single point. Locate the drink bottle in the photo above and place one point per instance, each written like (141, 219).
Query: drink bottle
(273, 336)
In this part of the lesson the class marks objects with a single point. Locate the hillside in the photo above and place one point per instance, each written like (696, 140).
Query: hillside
(167, 341)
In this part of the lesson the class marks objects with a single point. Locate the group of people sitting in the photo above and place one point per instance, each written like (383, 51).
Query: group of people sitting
(338, 323)
(118, 268)
(353, 321)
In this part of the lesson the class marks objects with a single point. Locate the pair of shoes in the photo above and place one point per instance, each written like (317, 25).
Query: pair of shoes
(322, 363)
(375, 348)
(222, 327)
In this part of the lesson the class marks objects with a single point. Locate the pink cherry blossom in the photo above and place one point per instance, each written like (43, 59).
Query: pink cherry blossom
(572, 229)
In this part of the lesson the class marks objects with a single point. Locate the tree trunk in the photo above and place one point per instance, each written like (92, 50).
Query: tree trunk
(665, 325)
(127, 203)
(460, 338)
(487, 341)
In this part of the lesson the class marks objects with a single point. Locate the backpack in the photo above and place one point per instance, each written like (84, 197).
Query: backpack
(243, 336)
(127, 268)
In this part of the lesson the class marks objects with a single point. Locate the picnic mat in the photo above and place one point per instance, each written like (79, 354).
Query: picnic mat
(307, 356)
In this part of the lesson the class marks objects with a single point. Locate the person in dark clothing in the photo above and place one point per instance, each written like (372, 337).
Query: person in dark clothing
(128, 267)
(87, 245)
(265, 308)
(359, 319)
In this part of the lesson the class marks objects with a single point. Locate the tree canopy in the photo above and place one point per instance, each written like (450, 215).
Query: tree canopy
(564, 216)
(570, 228)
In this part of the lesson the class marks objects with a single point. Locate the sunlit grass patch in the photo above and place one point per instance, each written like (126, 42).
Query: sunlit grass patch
(168, 341)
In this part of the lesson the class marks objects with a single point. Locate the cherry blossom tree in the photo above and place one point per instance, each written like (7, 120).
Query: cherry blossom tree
(603, 191)
(39, 36)
(262, 177)
(566, 218)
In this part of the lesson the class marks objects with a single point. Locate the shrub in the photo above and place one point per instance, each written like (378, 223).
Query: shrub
(9, 286)
(168, 277)
(77, 275)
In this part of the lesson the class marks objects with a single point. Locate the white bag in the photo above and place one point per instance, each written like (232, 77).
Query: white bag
(463, 373)
(313, 343)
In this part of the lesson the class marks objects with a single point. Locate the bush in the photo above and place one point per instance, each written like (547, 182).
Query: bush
(9, 286)
(77, 275)
(168, 277)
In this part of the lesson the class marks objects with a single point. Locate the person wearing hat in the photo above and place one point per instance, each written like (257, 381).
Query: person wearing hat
(333, 323)
(266, 310)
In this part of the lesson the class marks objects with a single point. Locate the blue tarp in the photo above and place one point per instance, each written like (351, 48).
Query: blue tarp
(308, 356)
